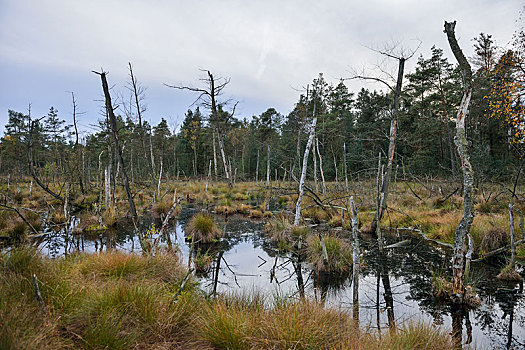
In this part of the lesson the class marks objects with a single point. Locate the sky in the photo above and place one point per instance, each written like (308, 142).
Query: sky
(269, 49)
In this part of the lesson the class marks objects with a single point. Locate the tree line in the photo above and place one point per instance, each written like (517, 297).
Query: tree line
(352, 130)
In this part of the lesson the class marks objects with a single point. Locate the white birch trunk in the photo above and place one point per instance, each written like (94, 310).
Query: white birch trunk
(268, 165)
(320, 165)
(303, 172)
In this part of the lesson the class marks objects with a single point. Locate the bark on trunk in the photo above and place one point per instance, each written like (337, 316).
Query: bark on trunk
(391, 148)
(512, 245)
(268, 165)
(303, 171)
(458, 287)
(355, 259)
(320, 165)
(113, 124)
(215, 157)
(346, 166)
(257, 167)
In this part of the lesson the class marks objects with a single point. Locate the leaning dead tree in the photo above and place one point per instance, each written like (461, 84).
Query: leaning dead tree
(462, 230)
(208, 98)
(114, 132)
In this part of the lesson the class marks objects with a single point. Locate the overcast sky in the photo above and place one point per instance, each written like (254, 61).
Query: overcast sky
(268, 48)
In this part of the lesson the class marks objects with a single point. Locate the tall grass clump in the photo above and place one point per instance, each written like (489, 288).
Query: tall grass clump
(202, 228)
(339, 254)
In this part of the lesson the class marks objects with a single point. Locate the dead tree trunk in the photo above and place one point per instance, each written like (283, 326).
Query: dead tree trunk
(114, 132)
(463, 228)
(257, 167)
(268, 165)
(391, 148)
(320, 165)
(512, 244)
(214, 157)
(346, 166)
(303, 172)
(355, 259)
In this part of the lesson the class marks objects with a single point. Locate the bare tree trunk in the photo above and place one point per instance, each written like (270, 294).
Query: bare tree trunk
(391, 148)
(209, 176)
(268, 165)
(113, 124)
(314, 156)
(512, 245)
(257, 167)
(215, 157)
(152, 157)
(379, 200)
(320, 165)
(303, 172)
(160, 179)
(335, 164)
(107, 192)
(458, 287)
(468, 256)
(242, 159)
(355, 259)
(298, 155)
(195, 161)
(223, 156)
(346, 166)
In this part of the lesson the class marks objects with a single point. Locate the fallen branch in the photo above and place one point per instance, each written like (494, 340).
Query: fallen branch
(7, 207)
(182, 285)
(499, 250)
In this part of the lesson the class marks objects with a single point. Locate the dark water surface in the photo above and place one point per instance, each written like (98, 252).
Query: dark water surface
(392, 290)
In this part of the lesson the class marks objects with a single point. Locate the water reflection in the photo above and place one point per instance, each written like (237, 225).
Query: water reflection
(392, 288)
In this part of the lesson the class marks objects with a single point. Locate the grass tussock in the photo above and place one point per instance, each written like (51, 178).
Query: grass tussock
(442, 289)
(116, 301)
(509, 273)
(160, 209)
(338, 257)
(202, 228)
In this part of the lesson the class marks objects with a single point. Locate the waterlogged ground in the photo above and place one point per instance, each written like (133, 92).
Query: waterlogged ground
(391, 291)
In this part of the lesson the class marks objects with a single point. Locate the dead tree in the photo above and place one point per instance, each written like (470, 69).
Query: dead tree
(355, 259)
(463, 228)
(114, 133)
(305, 164)
(391, 147)
(208, 98)
(401, 59)
(137, 91)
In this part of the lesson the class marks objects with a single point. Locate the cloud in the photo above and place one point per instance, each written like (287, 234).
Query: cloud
(268, 48)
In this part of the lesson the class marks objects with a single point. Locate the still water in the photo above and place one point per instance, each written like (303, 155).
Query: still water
(393, 290)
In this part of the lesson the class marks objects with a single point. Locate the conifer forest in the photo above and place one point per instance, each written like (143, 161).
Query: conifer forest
(383, 208)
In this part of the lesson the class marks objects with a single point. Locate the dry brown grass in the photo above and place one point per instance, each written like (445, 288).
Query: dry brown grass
(203, 229)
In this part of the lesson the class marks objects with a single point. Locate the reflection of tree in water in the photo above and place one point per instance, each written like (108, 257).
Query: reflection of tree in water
(497, 317)
(405, 273)
(329, 283)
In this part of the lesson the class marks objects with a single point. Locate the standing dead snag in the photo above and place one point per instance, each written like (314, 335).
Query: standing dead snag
(391, 148)
(303, 171)
(460, 140)
(355, 259)
(208, 98)
(114, 133)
